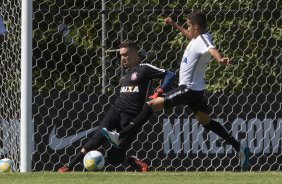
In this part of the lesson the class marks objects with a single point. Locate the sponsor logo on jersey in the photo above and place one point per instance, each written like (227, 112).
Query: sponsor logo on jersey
(129, 89)
(134, 76)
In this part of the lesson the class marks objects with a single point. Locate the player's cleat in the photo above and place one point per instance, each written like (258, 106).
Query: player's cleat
(244, 157)
(64, 169)
(143, 167)
(138, 164)
(112, 136)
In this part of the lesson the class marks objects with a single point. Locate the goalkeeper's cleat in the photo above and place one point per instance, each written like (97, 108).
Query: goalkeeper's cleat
(64, 169)
(244, 157)
(112, 136)
(143, 167)
(138, 164)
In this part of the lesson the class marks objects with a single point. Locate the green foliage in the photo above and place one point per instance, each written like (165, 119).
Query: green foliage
(248, 32)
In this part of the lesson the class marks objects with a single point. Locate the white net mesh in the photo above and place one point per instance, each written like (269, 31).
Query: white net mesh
(76, 73)
(9, 79)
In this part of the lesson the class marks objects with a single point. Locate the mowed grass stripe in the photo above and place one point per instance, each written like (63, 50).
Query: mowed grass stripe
(136, 178)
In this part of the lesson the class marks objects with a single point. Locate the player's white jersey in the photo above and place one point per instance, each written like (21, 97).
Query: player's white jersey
(194, 62)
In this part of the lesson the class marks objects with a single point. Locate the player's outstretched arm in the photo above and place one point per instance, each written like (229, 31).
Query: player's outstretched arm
(169, 21)
(166, 82)
(216, 55)
(168, 79)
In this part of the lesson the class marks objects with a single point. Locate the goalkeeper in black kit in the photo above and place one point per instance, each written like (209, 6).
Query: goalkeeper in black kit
(134, 86)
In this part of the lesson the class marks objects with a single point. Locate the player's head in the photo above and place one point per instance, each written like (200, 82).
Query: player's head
(196, 23)
(128, 51)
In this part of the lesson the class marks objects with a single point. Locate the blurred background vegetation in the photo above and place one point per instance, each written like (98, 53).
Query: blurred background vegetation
(67, 44)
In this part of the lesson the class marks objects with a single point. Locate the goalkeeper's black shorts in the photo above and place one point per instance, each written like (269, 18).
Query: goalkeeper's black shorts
(115, 119)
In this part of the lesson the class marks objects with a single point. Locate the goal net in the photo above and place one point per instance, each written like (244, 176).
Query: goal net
(76, 72)
(10, 80)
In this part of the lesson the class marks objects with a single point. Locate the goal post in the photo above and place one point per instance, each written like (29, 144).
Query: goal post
(26, 125)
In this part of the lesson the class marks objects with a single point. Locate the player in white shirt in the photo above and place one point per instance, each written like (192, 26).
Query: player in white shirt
(194, 62)
(190, 91)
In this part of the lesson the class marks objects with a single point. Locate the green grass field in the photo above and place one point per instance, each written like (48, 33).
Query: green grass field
(135, 178)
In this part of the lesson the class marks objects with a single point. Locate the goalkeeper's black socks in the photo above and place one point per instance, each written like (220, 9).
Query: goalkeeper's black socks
(217, 128)
(75, 160)
(138, 122)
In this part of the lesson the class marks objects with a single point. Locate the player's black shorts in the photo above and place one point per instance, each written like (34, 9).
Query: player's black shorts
(185, 96)
(115, 119)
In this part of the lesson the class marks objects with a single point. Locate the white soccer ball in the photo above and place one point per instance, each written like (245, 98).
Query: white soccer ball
(5, 165)
(94, 161)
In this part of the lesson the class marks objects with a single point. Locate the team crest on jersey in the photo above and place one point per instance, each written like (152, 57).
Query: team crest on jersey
(134, 76)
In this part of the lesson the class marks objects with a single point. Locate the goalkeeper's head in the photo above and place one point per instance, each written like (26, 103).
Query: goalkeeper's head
(128, 51)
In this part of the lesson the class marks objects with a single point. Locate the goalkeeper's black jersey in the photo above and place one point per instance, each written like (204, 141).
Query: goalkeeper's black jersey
(134, 86)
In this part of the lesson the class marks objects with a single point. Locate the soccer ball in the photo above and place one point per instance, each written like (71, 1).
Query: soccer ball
(5, 165)
(94, 161)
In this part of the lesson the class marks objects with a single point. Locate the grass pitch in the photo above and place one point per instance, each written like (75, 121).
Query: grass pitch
(136, 178)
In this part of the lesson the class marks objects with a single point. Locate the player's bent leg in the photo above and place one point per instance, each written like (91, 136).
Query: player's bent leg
(203, 118)
(94, 143)
(125, 144)
(137, 122)
(75, 160)
(219, 129)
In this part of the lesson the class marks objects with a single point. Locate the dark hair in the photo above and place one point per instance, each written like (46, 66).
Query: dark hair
(199, 18)
(129, 44)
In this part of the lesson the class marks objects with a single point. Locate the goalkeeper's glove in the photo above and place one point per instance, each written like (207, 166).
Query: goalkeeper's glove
(158, 92)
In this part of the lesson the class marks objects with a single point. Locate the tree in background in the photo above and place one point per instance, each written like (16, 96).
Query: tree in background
(67, 42)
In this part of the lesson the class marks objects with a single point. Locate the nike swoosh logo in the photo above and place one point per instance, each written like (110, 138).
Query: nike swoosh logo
(56, 143)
